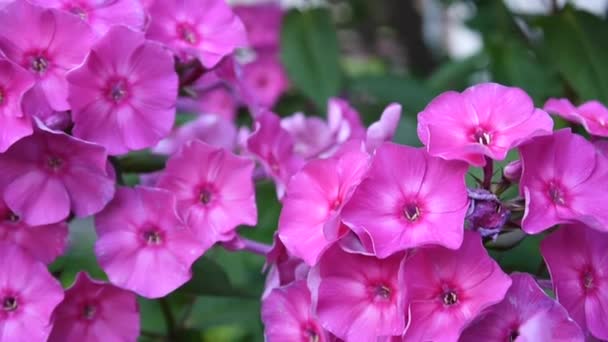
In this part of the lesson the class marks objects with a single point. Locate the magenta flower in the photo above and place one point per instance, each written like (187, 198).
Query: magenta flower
(214, 190)
(409, 199)
(287, 315)
(274, 148)
(358, 297)
(102, 15)
(211, 129)
(205, 29)
(95, 311)
(263, 24)
(143, 245)
(592, 115)
(47, 43)
(564, 180)
(576, 258)
(311, 215)
(266, 79)
(283, 268)
(14, 125)
(123, 97)
(28, 295)
(49, 174)
(44, 243)
(526, 314)
(447, 288)
(486, 120)
(344, 120)
(212, 100)
(383, 129)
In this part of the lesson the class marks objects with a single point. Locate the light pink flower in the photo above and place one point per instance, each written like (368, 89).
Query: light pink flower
(577, 262)
(211, 129)
(205, 29)
(265, 78)
(310, 134)
(123, 97)
(47, 43)
(564, 180)
(344, 121)
(95, 311)
(143, 245)
(357, 297)
(287, 315)
(592, 114)
(447, 288)
(28, 296)
(409, 199)
(383, 129)
(486, 120)
(274, 148)
(49, 174)
(311, 215)
(526, 314)
(214, 190)
(44, 243)
(14, 82)
(210, 100)
(263, 24)
(102, 14)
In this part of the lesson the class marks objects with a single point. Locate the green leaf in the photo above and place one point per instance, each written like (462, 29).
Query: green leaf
(456, 75)
(576, 44)
(209, 279)
(525, 257)
(412, 94)
(309, 51)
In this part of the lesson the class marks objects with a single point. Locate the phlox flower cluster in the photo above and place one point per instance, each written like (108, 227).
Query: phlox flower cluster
(376, 241)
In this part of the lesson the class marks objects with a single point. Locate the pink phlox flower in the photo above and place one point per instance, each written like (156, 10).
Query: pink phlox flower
(384, 129)
(263, 24)
(14, 124)
(95, 311)
(409, 199)
(265, 78)
(577, 262)
(486, 120)
(592, 115)
(123, 97)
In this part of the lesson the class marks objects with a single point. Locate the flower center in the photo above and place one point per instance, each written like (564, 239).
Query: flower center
(81, 13)
(1, 96)
(262, 82)
(117, 91)
(383, 292)
(312, 335)
(556, 194)
(11, 217)
(187, 34)
(513, 335)
(152, 237)
(88, 311)
(54, 163)
(449, 298)
(411, 212)
(9, 304)
(335, 205)
(482, 137)
(39, 64)
(588, 280)
(206, 196)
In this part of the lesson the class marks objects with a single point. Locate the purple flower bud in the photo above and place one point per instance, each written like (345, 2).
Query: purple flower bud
(486, 213)
(512, 171)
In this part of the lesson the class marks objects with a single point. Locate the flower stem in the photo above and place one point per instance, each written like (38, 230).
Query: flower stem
(169, 318)
(488, 172)
(256, 247)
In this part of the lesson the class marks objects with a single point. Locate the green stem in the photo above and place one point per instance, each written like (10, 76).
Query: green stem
(169, 318)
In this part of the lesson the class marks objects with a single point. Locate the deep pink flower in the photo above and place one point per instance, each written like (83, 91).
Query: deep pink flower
(143, 245)
(311, 215)
(274, 147)
(211, 129)
(123, 97)
(14, 82)
(49, 174)
(383, 129)
(28, 296)
(592, 114)
(564, 180)
(205, 29)
(44, 243)
(47, 43)
(214, 190)
(447, 288)
(486, 120)
(265, 78)
(577, 262)
(357, 297)
(283, 268)
(95, 311)
(526, 314)
(287, 315)
(34, 104)
(102, 14)
(409, 199)
(263, 24)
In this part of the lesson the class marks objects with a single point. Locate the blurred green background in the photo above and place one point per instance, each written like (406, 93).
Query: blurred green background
(373, 53)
